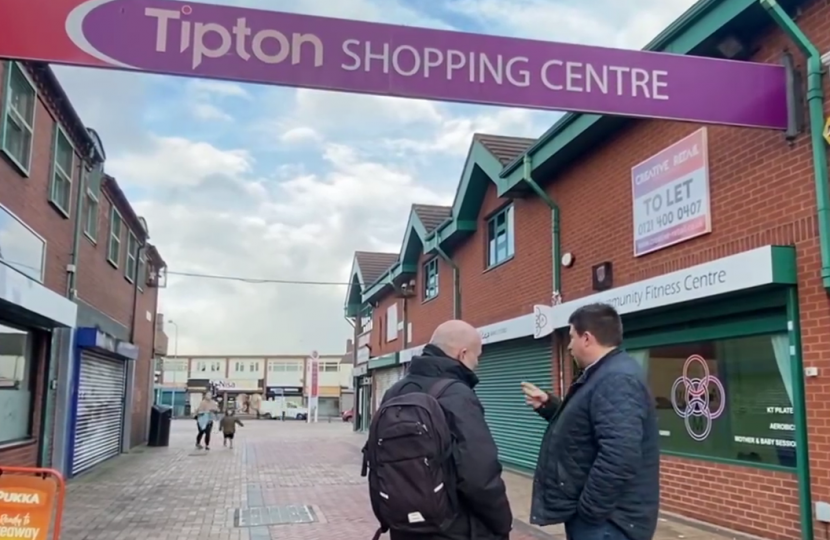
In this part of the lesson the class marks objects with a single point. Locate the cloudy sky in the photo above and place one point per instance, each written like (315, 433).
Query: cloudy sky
(282, 183)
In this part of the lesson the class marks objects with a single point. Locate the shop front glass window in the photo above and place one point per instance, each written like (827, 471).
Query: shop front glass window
(725, 399)
(16, 385)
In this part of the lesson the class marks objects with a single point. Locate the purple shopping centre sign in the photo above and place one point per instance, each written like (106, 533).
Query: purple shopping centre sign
(232, 43)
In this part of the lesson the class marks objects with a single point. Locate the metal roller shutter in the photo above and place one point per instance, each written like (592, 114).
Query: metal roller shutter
(100, 419)
(516, 428)
(385, 379)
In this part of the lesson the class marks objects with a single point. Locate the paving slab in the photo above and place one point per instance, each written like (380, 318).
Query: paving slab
(284, 480)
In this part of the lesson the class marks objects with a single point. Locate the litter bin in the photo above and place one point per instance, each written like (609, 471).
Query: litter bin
(161, 416)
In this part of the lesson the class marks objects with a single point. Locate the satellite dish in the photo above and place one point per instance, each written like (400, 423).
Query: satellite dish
(144, 225)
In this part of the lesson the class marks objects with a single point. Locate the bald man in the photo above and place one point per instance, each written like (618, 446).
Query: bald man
(484, 512)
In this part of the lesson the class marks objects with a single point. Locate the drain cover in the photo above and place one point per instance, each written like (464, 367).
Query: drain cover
(273, 515)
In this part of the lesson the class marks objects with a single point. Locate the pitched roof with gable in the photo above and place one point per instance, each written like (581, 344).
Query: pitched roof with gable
(505, 149)
(432, 215)
(373, 264)
(426, 220)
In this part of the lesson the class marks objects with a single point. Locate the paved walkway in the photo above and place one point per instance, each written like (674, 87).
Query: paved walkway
(291, 472)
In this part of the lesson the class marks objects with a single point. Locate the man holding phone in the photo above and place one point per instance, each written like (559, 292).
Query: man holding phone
(598, 470)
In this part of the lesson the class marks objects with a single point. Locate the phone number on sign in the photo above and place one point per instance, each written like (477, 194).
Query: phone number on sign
(669, 218)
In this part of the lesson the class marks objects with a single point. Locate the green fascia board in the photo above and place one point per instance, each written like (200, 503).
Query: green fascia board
(784, 265)
(353, 296)
(703, 20)
(383, 285)
(413, 240)
(387, 360)
(480, 168)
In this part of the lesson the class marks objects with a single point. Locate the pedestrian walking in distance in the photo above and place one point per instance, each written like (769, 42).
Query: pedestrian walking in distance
(204, 420)
(433, 467)
(228, 425)
(599, 463)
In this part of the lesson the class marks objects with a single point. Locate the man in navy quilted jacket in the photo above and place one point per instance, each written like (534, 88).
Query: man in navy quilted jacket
(599, 463)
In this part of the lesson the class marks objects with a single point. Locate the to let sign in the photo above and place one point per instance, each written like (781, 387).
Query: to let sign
(670, 192)
(26, 506)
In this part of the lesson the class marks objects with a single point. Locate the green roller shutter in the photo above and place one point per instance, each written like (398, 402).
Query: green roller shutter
(516, 428)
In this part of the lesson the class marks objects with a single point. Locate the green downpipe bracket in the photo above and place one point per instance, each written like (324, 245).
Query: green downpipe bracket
(554, 222)
(456, 282)
(815, 106)
(802, 451)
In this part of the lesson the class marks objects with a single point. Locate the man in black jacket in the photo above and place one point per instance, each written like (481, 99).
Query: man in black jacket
(453, 353)
(599, 464)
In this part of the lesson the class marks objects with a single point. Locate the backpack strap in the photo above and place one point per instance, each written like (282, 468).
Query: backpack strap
(437, 390)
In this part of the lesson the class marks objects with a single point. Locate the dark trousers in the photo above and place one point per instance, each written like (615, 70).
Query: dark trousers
(205, 433)
(577, 529)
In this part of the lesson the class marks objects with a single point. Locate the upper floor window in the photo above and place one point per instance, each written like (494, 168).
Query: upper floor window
(284, 366)
(142, 272)
(18, 128)
(21, 247)
(60, 190)
(114, 248)
(500, 237)
(132, 257)
(253, 367)
(329, 367)
(90, 211)
(431, 279)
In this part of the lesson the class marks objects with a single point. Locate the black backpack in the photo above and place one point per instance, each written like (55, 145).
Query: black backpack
(408, 458)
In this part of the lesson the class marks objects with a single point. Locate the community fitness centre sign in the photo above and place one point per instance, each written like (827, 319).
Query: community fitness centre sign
(730, 274)
(224, 42)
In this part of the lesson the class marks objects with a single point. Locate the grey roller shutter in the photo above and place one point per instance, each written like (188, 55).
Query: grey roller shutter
(100, 418)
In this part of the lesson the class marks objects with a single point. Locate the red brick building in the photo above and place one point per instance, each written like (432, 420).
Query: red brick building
(74, 256)
(741, 304)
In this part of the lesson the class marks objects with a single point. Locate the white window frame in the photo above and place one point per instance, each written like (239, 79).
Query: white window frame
(12, 115)
(132, 257)
(91, 209)
(392, 323)
(115, 237)
(60, 175)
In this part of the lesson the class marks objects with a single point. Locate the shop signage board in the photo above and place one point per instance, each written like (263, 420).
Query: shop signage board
(742, 271)
(670, 195)
(247, 45)
(27, 504)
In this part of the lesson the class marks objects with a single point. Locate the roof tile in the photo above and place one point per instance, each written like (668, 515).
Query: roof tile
(373, 264)
(431, 215)
(505, 149)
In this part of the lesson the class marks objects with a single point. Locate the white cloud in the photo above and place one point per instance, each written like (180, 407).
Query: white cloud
(299, 135)
(286, 184)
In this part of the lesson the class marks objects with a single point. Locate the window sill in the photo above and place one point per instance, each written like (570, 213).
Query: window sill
(499, 264)
(24, 172)
(13, 445)
(428, 300)
(112, 263)
(58, 209)
(91, 238)
(129, 280)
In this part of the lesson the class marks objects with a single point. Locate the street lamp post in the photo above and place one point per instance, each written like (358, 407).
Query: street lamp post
(175, 342)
